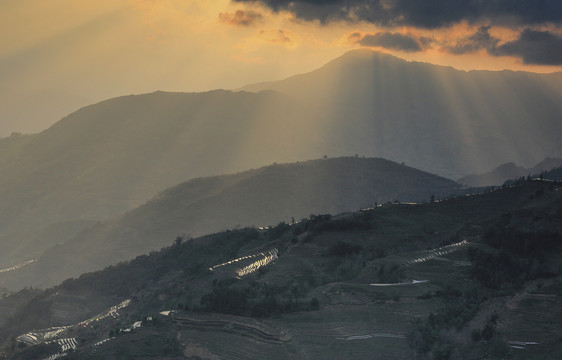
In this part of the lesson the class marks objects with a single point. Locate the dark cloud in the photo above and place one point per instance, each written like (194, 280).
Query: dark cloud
(533, 47)
(240, 18)
(422, 13)
(279, 36)
(426, 42)
(390, 40)
(479, 40)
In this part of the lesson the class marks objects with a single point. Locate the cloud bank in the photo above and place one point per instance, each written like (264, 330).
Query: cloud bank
(529, 18)
(390, 40)
(533, 47)
(428, 14)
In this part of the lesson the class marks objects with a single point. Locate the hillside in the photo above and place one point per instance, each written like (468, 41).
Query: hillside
(110, 157)
(262, 197)
(510, 171)
(469, 277)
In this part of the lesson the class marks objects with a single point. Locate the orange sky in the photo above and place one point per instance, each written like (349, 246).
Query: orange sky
(58, 55)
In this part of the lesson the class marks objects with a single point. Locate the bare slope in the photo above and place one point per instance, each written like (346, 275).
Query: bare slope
(257, 197)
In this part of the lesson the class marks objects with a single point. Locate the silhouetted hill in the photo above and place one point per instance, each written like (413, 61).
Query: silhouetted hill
(257, 197)
(435, 118)
(509, 171)
(469, 277)
(495, 177)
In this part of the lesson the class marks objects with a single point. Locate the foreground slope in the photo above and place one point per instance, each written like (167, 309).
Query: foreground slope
(467, 278)
(259, 197)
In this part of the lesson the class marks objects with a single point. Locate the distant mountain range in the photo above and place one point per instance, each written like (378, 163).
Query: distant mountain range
(510, 171)
(110, 157)
(262, 197)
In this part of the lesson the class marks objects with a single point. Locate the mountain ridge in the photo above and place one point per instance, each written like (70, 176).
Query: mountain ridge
(260, 197)
(107, 158)
(426, 112)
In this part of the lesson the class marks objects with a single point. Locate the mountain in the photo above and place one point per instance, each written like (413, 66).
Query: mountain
(261, 197)
(509, 171)
(434, 118)
(469, 277)
(495, 177)
(110, 157)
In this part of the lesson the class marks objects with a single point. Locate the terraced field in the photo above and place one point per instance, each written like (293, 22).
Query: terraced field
(225, 345)
(355, 321)
(18, 266)
(54, 333)
(354, 331)
(245, 265)
(332, 333)
(415, 262)
(242, 326)
(532, 321)
(356, 286)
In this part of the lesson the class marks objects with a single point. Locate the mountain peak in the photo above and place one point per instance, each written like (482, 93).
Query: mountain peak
(363, 54)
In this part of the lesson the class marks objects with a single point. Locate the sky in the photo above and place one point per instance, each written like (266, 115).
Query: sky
(59, 55)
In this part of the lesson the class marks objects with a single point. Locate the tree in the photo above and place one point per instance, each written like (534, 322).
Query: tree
(178, 240)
